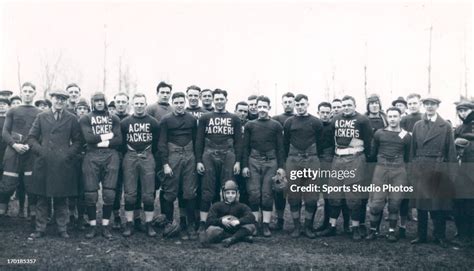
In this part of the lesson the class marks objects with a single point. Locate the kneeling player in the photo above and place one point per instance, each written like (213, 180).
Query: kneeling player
(392, 149)
(228, 221)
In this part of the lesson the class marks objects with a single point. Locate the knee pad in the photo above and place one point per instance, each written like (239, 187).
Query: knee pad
(254, 207)
(91, 198)
(311, 206)
(376, 207)
(295, 207)
(250, 227)
(354, 203)
(213, 233)
(267, 202)
(205, 206)
(393, 208)
(109, 196)
(148, 207)
(253, 199)
(148, 199)
(130, 199)
(129, 207)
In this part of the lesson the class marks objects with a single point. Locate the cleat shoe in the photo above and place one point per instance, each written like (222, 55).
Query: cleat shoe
(37, 234)
(347, 230)
(392, 237)
(329, 231)
(92, 232)
(64, 234)
(128, 229)
(308, 232)
(296, 232)
(441, 242)
(202, 227)
(372, 235)
(419, 240)
(149, 230)
(203, 240)
(308, 229)
(192, 234)
(266, 230)
(81, 223)
(117, 224)
(356, 234)
(229, 241)
(248, 239)
(106, 232)
(278, 226)
(321, 228)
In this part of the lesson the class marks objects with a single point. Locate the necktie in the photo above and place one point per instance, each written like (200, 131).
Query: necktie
(56, 115)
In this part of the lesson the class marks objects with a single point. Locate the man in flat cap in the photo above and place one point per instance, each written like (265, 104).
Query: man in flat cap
(15, 101)
(43, 105)
(6, 93)
(56, 139)
(434, 155)
(401, 104)
(464, 203)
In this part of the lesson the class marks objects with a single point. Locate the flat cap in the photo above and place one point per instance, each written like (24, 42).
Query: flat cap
(59, 93)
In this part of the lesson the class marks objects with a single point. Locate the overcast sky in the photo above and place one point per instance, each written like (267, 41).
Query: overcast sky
(246, 48)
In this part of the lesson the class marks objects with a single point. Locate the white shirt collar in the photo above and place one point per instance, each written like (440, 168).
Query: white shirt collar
(433, 118)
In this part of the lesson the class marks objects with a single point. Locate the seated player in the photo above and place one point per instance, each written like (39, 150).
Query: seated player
(228, 221)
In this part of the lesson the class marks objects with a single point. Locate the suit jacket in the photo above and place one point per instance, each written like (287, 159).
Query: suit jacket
(434, 164)
(56, 144)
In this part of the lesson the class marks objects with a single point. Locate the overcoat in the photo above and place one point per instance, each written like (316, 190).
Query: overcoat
(465, 177)
(56, 144)
(434, 164)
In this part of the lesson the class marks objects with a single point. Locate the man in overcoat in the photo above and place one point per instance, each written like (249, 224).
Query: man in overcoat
(55, 138)
(434, 160)
(464, 203)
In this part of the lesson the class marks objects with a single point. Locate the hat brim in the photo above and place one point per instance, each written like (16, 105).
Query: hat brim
(431, 100)
(399, 101)
(60, 95)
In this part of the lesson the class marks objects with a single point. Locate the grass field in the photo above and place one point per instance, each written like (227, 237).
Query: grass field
(279, 252)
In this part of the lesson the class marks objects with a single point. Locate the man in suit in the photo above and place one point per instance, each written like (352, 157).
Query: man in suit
(434, 156)
(55, 138)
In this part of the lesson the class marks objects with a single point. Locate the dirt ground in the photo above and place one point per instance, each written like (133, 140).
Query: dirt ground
(279, 252)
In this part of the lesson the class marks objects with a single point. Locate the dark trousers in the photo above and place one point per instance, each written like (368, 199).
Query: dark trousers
(439, 224)
(61, 212)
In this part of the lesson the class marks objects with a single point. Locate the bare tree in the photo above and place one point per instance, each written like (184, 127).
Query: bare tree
(127, 81)
(104, 83)
(18, 71)
(429, 61)
(50, 71)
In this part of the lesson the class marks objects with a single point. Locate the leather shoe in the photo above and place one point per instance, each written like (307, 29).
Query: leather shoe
(37, 234)
(64, 235)
(441, 242)
(418, 240)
